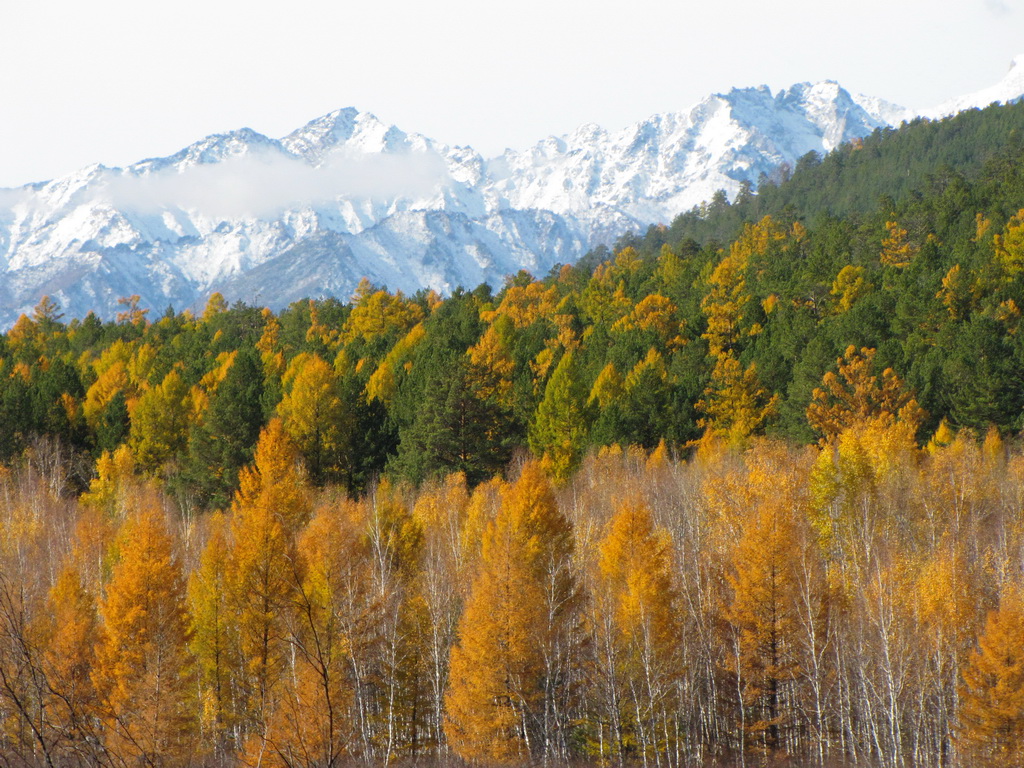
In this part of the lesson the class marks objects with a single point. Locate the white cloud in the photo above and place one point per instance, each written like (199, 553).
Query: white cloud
(266, 185)
(11, 197)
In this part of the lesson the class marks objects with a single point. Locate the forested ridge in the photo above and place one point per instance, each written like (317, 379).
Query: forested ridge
(742, 490)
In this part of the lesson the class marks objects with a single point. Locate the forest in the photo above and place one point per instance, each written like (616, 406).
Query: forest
(742, 490)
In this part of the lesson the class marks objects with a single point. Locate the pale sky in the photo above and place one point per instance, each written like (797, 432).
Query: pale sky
(115, 81)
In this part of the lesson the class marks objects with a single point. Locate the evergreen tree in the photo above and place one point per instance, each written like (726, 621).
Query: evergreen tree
(455, 430)
(224, 441)
(559, 431)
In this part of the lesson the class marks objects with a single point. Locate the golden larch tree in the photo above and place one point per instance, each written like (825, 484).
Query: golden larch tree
(160, 422)
(315, 723)
(142, 666)
(637, 627)
(768, 568)
(214, 638)
(854, 396)
(271, 506)
(991, 732)
(316, 416)
(520, 601)
(69, 633)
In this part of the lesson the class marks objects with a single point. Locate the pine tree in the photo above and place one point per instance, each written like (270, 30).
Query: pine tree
(455, 430)
(559, 432)
(223, 443)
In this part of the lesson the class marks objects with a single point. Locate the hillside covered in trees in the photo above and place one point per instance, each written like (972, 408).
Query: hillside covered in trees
(742, 489)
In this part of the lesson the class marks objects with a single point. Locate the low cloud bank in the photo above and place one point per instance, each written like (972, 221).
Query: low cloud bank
(265, 185)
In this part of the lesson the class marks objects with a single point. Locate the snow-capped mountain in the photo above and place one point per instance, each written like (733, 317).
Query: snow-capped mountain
(1007, 90)
(346, 196)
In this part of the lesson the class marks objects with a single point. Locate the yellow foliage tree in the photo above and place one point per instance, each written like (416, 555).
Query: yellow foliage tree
(604, 298)
(271, 506)
(159, 423)
(491, 367)
(384, 381)
(768, 578)
(506, 631)
(69, 636)
(897, 250)
(525, 304)
(214, 638)
(991, 732)
(114, 379)
(637, 631)
(376, 313)
(957, 293)
(142, 667)
(735, 405)
(654, 313)
(109, 491)
(608, 387)
(727, 299)
(269, 345)
(316, 416)
(314, 723)
(855, 396)
(1009, 246)
(848, 287)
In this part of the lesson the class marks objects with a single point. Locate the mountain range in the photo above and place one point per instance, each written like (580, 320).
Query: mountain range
(270, 221)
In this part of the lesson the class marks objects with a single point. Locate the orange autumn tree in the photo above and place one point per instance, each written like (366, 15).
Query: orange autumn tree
(773, 571)
(315, 723)
(853, 396)
(142, 667)
(214, 640)
(69, 633)
(271, 506)
(991, 732)
(637, 633)
(506, 632)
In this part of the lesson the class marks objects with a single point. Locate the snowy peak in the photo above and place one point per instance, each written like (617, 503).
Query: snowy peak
(324, 133)
(1006, 91)
(214, 149)
(351, 132)
(658, 167)
(832, 110)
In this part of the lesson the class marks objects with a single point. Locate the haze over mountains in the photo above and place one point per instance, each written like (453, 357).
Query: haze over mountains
(270, 221)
